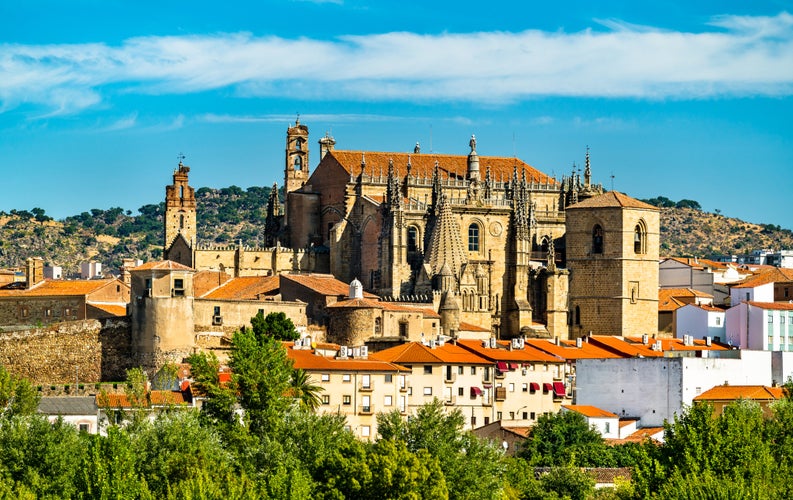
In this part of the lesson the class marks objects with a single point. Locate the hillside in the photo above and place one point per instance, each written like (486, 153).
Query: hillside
(231, 214)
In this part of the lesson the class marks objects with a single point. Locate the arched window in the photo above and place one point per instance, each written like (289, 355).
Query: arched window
(597, 239)
(181, 221)
(577, 315)
(413, 239)
(299, 144)
(473, 238)
(640, 238)
(298, 163)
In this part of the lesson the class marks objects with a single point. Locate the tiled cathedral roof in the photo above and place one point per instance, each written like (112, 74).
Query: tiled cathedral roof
(612, 199)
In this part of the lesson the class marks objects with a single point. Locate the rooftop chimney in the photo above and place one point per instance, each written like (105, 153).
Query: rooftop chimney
(34, 271)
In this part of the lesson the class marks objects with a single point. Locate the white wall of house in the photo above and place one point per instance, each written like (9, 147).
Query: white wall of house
(655, 389)
(693, 320)
(761, 293)
(760, 329)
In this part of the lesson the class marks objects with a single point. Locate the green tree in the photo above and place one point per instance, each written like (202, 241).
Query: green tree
(276, 325)
(261, 372)
(398, 473)
(306, 393)
(17, 396)
(569, 482)
(220, 399)
(565, 438)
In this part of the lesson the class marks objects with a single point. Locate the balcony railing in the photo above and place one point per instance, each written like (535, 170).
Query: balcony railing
(365, 410)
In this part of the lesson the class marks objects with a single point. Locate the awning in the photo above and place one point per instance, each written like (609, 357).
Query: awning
(558, 389)
(547, 386)
(514, 366)
(502, 366)
(534, 386)
(476, 391)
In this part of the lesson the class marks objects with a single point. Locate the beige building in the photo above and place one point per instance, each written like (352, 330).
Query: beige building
(354, 386)
(39, 301)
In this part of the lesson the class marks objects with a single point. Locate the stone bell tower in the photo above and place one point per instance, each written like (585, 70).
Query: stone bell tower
(180, 216)
(296, 169)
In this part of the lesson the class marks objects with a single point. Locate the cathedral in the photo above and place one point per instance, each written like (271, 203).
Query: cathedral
(487, 241)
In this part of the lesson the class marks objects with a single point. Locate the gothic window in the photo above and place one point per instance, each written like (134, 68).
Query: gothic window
(597, 239)
(413, 239)
(640, 238)
(298, 163)
(181, 191)
(473, 238)
(181, 221)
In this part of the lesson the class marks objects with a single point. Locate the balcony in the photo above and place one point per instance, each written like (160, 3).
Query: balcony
(403, 388)
(501, 393)
(365, 410)
(450, 380)
(450, 400)
(366, 387)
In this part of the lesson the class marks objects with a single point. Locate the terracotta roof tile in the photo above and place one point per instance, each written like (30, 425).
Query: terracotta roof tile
(245, 288)
(640, 436)
(612, 199)
(161, 264)
(205, 281)
(567, 349)
(590, 411)
(423, 164)
(766, 276)
(305, 359)
(324, 284)
(112, 309)
(528, 354)
(416, 352)
(48, 288)
(733, 392)
(772, 306)
(469, 327)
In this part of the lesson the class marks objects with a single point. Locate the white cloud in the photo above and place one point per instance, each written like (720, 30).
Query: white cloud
(733, 56)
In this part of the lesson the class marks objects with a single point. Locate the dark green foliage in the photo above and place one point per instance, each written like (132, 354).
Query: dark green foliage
(565, 438)
(17, 396)
(275, 325)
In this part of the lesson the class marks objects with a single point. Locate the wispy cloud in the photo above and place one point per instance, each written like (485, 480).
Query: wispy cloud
(732, 56)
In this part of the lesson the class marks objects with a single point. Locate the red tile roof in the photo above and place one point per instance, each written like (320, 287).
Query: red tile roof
(640, 436)
(612, 199)
(528, 354)
(324, 284)
(733, 392)
(469, 327)
(698, 263)
(423, 165)
(168, 265)
(305, 359)
(112, 309)
(245, 288)
(766, 276)
(155, 398)
(205, 281)
(416, 352)
(590, 411)
(773, 306)
(49, 288)
(567, 349)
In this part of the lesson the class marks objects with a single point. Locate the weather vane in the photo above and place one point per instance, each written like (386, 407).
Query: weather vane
(180, 157)
(612, 180)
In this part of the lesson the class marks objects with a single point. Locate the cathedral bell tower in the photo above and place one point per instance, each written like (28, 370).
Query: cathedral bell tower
(180, 217)
(296, 168)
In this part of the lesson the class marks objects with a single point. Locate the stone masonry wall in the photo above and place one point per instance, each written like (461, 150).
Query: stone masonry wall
(87, 351)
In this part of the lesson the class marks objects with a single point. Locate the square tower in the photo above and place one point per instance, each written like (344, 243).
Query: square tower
(612, 254)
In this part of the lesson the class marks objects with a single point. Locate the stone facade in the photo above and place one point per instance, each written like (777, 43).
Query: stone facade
(86, 351)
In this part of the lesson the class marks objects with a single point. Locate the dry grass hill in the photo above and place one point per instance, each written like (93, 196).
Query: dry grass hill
(231, 214)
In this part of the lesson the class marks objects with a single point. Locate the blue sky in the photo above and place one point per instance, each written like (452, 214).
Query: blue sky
(675, 98)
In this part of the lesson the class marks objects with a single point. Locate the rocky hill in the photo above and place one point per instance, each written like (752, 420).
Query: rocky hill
(231, 214)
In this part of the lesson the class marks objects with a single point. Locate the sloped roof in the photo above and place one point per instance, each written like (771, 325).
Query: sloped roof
(112, 309)
(503, 353)
(206, 281)
(733, 392)
(324, 284)
(67, 405)
(155, 398)
(698, 263)
(245, 288)
(49, 288)
(470, 327)
(675, 344)
(612, 199)
(423, 164)
(567, 349)
(766, 276)
(416, 352)
(639, 436)
(773, 306)
(669, 298)
(590, 411)
(305, 359)
(167, 265)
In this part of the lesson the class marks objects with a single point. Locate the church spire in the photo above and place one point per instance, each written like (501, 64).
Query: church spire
(446, 244)
(587, 170)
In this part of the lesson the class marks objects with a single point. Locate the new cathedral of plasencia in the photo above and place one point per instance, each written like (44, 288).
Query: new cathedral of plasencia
(488, 241)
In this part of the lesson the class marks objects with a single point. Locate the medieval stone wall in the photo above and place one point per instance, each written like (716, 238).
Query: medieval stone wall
(88, 351)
